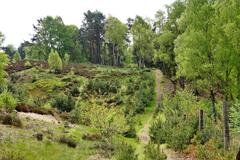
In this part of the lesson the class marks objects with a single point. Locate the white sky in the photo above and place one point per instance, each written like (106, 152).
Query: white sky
(18, 16)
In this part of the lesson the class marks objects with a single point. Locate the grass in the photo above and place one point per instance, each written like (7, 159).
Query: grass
(39, 83)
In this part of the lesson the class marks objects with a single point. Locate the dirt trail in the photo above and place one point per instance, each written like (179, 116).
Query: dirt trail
(143, 134)
(34, 116)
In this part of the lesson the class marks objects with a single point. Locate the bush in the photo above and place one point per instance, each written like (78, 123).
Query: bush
(27, 64)
(3, 64)
(63, 103)
(11, 119)
(75, 92)
(181, 124)
(69, 141)
(16, 57)
(66, 58)
(154, 152)
(131, 132)
(55, 62)
(7, 101)
(91, 137)
(103, 86)
(76, 115)
(125, 152)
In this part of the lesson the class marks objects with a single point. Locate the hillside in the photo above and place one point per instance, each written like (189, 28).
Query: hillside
(85, 111)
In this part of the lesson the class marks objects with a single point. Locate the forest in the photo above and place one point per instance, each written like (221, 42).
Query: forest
(166, 88)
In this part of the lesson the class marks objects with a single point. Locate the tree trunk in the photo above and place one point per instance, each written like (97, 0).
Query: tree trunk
(114, 56)
(226, 135)
(213, 105)
(238, 85)
(200, 120)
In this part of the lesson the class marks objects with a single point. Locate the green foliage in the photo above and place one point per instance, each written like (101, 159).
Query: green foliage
(180, 126)
(142, 90)
(16, 57)
(115, 33)
(154, 152)
(143, 36)
(54, 61)
(63, 103)
(7, 101)
(66, 58)
(3, 64)
(125, 152)
(103, 87)
(234, 116)
(27, 64)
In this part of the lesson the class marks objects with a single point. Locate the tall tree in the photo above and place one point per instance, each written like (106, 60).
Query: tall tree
(91, 35)
(167, 31)
(49, 33)
(115, 34)
(227, 55)
(194, 48)
(143, 36)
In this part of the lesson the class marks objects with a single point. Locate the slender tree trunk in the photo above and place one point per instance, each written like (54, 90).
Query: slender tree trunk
(114, 56)
(200, 120)
(226, 135)
(213, 105)
(238, 85)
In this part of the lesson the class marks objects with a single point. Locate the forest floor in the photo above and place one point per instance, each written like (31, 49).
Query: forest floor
(143, 134)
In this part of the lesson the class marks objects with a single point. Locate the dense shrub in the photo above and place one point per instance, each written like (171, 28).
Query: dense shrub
(141, 93)
(212, 151)
(66, 58)
(125, 152)
(27, 64)
(55, 62)
(63, 103)
(179, 123)
(7, 101)
(3, 64)
(91, 137)
(75, 92)
(69, 141)
(103, 86)
(16, 57)
(76, 115)
(11, 119)
(154, 152)
(131, 132)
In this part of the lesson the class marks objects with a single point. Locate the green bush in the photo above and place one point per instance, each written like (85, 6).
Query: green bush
(131, 132)
(55, 62)
(66, 58)
(154, 152)
(125, 152)
(103, 86)
(76, 115)
(179, 123)
(3, 64)
(16, 57)
(27, 64)
(7, 101)
(63, 103)
(75, 92)
(141, 93)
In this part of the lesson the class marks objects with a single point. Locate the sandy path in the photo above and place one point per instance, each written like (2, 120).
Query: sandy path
(34, 116)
